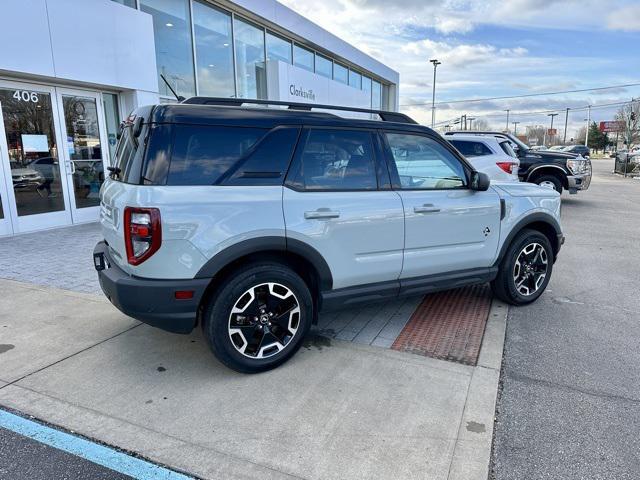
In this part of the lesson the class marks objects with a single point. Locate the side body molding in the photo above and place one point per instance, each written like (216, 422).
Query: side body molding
(277, 244)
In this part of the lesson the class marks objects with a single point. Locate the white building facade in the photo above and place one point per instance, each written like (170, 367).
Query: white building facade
(83, 65)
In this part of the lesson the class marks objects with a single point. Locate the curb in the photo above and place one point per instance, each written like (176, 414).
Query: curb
(472, 451)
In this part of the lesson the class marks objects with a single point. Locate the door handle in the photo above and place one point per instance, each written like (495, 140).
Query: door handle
(426, 208)
(321, 214)
(72, 167)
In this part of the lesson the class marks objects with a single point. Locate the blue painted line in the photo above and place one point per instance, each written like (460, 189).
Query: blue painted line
(93, 452)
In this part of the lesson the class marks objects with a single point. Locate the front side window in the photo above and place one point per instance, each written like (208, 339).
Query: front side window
(172, 33)
(203, 154)
(337, 160)
(424, 164)
(471, 149)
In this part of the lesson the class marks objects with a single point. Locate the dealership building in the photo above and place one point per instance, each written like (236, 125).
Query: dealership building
(82, 65)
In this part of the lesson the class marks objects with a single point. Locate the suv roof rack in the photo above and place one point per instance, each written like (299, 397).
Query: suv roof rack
(238, 102)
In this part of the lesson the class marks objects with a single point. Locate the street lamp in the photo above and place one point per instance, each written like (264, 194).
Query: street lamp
(552, 115)
(515, 127)
(433, 98)
(566, 121)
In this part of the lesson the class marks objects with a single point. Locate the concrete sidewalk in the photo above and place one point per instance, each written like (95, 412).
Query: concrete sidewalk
(336, 410)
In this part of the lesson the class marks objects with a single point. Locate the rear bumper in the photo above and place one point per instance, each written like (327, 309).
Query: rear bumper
(150, 301)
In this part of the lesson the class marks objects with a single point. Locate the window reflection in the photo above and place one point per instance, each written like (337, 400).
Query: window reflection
(340, 73)
(33, 152)
(250, 62)
(85, 150)
(112, 117)
(214, 51)
(172, 32)
(376, 95)
(303, 58)
(324, 66)
(355, 79)
(278, 48)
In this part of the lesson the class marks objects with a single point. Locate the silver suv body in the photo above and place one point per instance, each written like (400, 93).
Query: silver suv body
(249, 221)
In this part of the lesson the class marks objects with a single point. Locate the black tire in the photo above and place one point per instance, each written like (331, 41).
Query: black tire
(549, 180)
(505, 286)
(249, 289)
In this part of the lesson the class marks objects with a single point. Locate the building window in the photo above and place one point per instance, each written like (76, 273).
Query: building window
(303, 58)
(250, 72)
(278, 48)
(112, 122)
(324, 66)
(174, 56)
(376, 95)
(127, 3)
(340, 73)
(385, 97)
(366, 86)
(214, 51)
(355, 79)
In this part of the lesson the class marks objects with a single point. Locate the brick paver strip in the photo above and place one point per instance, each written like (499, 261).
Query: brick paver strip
(448, 325)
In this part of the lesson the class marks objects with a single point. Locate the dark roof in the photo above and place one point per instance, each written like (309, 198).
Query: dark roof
(261, 117)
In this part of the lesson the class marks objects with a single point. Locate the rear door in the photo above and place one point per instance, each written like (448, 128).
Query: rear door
(448, 226)
(337, 201)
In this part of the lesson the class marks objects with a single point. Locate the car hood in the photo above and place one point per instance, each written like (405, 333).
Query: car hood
(552, 155)
(23, 171)
(523, 189)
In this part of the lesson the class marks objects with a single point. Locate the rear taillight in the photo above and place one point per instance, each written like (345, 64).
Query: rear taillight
(142, 233)
(508, 167)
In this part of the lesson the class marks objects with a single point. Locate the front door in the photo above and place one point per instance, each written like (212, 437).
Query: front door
(448, 226)
(84, 151)
(34, 191)
(52, 156)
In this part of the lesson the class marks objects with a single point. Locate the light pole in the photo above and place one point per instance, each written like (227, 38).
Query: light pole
(515, 127)
(471, 119)
(433, 98)
(551, 128)
(507, 119)
(566, 121)
(586, 137)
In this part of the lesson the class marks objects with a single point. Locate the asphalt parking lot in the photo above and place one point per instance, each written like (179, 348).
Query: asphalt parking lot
(570, 401)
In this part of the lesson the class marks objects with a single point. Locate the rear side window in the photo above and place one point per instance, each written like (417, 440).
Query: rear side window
(203, 154)
(471, 149)
(128, 157)
(508, 149)
(337, 160)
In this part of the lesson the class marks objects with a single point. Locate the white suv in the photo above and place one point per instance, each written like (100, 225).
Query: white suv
(490, 155)
(248, 221)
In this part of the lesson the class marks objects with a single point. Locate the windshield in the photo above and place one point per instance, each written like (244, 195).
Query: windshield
(523, 146)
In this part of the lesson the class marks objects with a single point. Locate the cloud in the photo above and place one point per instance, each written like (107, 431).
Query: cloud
(626, 18)
(462, 55)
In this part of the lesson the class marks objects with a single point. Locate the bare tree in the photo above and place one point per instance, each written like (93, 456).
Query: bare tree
(536, 132)
(581, 136)
(629, 118)
(481, 124)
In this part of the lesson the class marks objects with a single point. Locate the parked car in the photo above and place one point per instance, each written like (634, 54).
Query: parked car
(249, 221)
(557, 170)
(487, 154)
(24, 177)
(578, 150)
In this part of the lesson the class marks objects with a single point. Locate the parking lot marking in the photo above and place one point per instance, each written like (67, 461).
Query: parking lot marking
(93, 452)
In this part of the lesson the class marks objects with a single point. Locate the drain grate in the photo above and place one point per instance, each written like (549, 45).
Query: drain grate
(448, 325)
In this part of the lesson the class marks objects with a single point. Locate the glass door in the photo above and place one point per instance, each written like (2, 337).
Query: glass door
(85, 150)
(5, 214)
(35, 194)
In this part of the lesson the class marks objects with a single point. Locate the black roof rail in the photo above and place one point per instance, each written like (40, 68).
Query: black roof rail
(238, 102)
(475, 132)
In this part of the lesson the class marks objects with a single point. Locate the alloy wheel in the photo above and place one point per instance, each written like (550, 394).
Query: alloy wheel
(530, 269)
(264, 320)
(548, 184)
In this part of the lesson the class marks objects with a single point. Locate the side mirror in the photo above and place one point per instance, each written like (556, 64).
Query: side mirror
(480, 181)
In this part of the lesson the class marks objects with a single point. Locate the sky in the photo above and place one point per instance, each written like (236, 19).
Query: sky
(492, 48)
